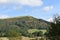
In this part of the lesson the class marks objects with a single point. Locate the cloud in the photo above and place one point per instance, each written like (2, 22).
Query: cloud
(31, 2)
(4, 16)
(48, 8)
(23, 2)
(17, 7)
(3, 1)
(50, 20)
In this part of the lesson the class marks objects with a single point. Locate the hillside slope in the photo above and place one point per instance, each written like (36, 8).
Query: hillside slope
(22, 24)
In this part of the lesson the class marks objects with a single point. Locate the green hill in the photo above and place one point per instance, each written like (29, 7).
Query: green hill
(21, 25)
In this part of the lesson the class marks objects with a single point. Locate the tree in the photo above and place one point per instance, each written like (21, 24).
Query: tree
(55, 26)
(12, 33)
(2, 34)
(40, 33)
(56, 18)
(54, 30)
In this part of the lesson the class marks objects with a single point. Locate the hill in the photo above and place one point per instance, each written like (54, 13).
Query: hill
(21, 25)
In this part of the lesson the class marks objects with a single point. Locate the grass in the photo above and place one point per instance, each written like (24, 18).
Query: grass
(34, 30)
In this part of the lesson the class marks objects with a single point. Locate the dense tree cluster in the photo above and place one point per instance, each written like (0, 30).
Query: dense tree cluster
(55, 26)
(54, 30)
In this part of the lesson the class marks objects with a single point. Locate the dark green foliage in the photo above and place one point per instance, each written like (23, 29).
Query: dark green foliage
(12, 33)
(21, 25)
(55, 27)
(54, 31)
(40, 33)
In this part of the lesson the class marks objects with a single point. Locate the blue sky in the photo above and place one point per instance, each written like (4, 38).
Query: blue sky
(43, 9)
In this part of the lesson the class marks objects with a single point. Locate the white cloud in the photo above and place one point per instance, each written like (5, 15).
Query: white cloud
(31, 2)
(3, 1)
(4, 16)
(17, 7)
(24, 2)
(50, 20)
(48, 8)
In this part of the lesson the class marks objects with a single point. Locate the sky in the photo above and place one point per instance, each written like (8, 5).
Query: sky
(42, 9)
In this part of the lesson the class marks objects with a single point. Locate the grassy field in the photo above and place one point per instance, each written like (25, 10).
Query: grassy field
(34, 30)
